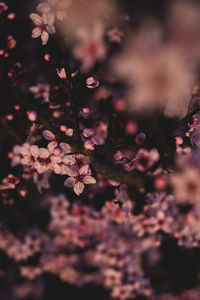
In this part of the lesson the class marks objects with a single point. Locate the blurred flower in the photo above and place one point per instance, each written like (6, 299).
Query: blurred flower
(3, 7)
(183, 20)
(115, 35)
(156, 75)
(56, 7)
(186, 184)
(41, 91)
(90, 46)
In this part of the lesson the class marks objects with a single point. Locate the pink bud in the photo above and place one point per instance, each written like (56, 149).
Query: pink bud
(9, 117)
(119, 155)
(120, 105)
(47, 57)
(63, 128)
(11, 16)
(56, 114)
(69, 132)
(61, 73)
(17, 107)
(11, 42)
(140, 138)
(178, 140)
(89, 145)
(131, 127)
(48, 135)
(92, 83)
(32, 115)
(87, 132)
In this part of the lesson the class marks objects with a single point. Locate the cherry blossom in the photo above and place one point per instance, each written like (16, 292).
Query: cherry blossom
(90, 47)
(41, 91)
(44, 26)
(57, 7)
(79, 178)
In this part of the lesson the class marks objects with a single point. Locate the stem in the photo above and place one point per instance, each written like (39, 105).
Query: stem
(75, 109)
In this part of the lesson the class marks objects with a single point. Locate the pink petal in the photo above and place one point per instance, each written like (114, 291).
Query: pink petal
(89, 180)
(43, 153)
(44, 37)
(48, 135)
(36, 32)
(51, 146)
(65, 147)
(61, 73)
(84, 170)
(70, 182)
(34, 150)
(48, 18)
(43, 7)
(78, 188)
(37, 20)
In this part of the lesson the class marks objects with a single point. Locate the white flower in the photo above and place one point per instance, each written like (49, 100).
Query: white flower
(44, 26)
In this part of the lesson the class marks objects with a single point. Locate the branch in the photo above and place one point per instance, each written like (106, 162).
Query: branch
(99, 163)
(187, 118)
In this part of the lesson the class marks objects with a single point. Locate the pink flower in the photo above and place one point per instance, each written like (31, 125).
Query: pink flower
(56, 7)
(41, 91)
(3, 7)
(91, 47)
(29, 154)
(44, 26)
(48, 159)
(80, 174)
(143, 160)
(9, 182)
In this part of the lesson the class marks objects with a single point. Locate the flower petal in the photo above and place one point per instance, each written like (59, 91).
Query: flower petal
(70, 171)
(37, 20)
(70, 182)
(65, 147)
(89, 180)
(84, 170)
(36, 32)
(34, 150)
(43, 153)
(51, 29)
(48, 135)
(51, 146)
(78, 188)
(69, 159)
(44, 37)
(48, 18)
(61, 15)
(61, 73)
(43, 7)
